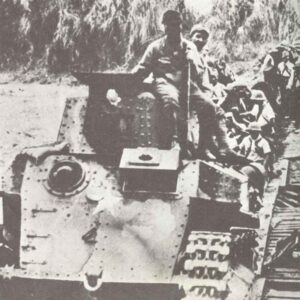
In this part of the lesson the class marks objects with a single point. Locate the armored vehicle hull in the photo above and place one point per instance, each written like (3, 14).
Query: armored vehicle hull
(110, 212)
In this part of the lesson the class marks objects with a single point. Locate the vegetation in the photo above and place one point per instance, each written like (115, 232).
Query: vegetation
(243, 29)
(112, 34)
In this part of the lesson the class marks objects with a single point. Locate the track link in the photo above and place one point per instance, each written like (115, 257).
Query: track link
(205, 265)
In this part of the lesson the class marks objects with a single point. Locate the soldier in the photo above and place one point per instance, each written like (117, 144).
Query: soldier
(295, 96)
(266, 115)
(245, 110)
(217, 88)
(167, 58)
(199, 36)
(256, 148)
(258, 151)
(295, 93)
(286, 74)
(270, 76)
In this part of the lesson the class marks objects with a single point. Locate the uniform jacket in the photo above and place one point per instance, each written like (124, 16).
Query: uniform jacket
(166, 61)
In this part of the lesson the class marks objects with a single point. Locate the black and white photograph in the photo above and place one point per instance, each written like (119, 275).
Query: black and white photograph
(150, 150)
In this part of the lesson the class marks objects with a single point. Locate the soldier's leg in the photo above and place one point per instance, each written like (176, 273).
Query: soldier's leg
(212, 123)
(221, 131)
(200, 103)
(205, 114)
(169, 95)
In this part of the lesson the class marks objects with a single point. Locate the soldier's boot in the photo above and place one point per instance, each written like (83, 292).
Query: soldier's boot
(212, 123)
(221, 137)
(206, 117)
(205, 144)
(225, 154)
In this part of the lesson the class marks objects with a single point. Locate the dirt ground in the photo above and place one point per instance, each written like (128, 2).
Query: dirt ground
(30, 115)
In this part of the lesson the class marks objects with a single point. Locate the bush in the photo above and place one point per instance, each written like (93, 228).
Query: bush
(112, 34)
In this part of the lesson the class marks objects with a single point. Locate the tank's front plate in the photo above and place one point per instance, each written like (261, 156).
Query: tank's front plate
(137, 238)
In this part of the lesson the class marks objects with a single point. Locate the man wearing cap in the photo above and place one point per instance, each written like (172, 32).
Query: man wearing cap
(210, 83)
(166, 58)
(199, 36)
(286, 74)
(256, 148)
(269, 70)
(266, 116)
(256, 106)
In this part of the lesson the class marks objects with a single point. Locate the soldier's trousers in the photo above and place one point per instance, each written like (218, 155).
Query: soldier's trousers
(211, 118)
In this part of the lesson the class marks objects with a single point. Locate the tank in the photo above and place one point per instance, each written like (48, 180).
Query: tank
(110, 212)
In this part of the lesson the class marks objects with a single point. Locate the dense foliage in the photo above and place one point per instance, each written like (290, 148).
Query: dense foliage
(112, 34)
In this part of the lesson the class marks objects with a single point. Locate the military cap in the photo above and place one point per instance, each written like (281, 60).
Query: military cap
(199, 28)
(239, 88)
(254, 126)
(171, 16)
(258, 95)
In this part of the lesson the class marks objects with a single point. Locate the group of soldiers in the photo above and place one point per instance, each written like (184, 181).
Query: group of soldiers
(174, 61)
(236, 121)
(280, 68)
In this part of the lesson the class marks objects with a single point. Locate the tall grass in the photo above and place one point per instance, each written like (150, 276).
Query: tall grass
(239, 26)
(112, 34)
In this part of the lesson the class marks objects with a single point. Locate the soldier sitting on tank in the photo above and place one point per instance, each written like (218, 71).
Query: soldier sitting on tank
(167, 58)
(199, 36)
(258, 151)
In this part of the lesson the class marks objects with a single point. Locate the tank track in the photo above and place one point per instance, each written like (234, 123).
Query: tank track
(282, 267)
(205, 265)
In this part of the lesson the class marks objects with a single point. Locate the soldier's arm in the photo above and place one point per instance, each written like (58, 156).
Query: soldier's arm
(240, 148)
(194, 59)
(291, 79)
(266, 147)
(267, 63)
(145, 66)
(231, 75)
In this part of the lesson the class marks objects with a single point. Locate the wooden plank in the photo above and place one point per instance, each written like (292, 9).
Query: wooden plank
(284, 294)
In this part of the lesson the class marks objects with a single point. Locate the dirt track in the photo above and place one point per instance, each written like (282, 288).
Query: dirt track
(30, 115)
